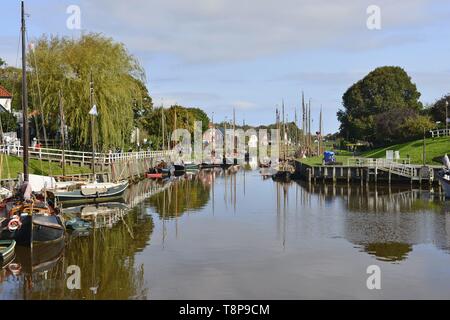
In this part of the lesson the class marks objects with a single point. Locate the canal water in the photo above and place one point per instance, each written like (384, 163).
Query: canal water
(235, 235)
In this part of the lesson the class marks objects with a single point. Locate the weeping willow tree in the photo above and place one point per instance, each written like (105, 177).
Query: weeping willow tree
(60, 63)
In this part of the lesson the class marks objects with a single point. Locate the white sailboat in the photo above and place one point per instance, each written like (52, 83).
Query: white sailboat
(85, 191)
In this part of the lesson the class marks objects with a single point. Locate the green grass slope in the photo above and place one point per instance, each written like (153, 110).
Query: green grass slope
(12, 166)
(435, 147)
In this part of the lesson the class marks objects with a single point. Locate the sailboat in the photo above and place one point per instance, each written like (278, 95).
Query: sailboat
(27, 217)
(284, 170)
(82, 191)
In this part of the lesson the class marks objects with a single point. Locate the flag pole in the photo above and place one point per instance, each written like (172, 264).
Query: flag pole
(91, 93)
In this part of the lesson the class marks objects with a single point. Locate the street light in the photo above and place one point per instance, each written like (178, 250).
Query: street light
(446, 116)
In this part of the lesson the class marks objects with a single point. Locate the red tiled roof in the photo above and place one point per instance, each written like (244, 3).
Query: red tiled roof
(4, 93)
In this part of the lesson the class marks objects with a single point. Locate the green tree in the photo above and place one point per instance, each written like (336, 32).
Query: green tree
(385, 88)
(200, 115)
(416, 126)
(185, 117)
(437, 110)
(10, 79)
(8, 122)
(60, 63)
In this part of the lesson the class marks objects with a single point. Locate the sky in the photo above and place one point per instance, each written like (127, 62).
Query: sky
(253, 54)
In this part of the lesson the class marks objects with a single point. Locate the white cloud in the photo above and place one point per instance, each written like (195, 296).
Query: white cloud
(223, 30)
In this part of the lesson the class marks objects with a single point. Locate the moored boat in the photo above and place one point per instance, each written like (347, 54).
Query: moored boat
(31, 220)
(91, 192)
(26, 217)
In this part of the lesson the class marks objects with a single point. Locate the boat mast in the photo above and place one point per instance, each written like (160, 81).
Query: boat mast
(284, 131)
(234, 137)
(24, 101)
(303, 123)
(320, 131)
(224, 161)
(91, 100)
(61, 116)
(174, 122)
(162, 126)
(212, 139)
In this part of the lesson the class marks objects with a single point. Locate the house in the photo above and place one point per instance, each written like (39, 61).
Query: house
(5, 100)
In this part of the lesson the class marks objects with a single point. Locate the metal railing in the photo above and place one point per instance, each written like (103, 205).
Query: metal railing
(401, 167)
(83, 157)
(376, 162)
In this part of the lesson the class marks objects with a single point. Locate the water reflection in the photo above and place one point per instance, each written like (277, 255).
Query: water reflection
(189, 193)
(389, 251)
(387, 221)
(103, 252)
(231, 234)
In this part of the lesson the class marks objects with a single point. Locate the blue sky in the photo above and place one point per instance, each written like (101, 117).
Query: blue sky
(251, 54)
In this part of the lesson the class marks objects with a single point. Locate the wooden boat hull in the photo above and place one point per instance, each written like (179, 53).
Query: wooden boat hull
(35, 228)
(48, 228)
(77, 195)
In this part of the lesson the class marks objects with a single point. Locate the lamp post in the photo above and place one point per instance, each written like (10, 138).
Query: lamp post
(424, 147)
(446, 116)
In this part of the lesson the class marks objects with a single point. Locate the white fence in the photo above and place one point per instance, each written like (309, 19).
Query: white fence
(85, 158)
(440, 133)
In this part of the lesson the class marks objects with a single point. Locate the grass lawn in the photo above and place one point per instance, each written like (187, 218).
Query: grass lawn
(435, 147)
(15, 165)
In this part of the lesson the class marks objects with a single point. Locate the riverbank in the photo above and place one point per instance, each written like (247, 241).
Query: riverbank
(435, 148)
(11, 166)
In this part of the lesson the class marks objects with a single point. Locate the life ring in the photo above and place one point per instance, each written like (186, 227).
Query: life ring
(14, 223)
(15, 268)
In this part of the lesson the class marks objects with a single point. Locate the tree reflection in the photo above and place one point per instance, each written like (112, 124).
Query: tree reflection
(386, 221)
(188, 193)
(389, 251)
(106, 258)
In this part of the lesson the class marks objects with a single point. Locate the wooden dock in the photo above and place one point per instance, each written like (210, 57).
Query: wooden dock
(368, 170)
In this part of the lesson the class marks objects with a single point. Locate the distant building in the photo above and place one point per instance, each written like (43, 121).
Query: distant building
(5, 100)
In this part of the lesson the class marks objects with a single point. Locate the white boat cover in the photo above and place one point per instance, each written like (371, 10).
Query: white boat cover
(38, 183)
